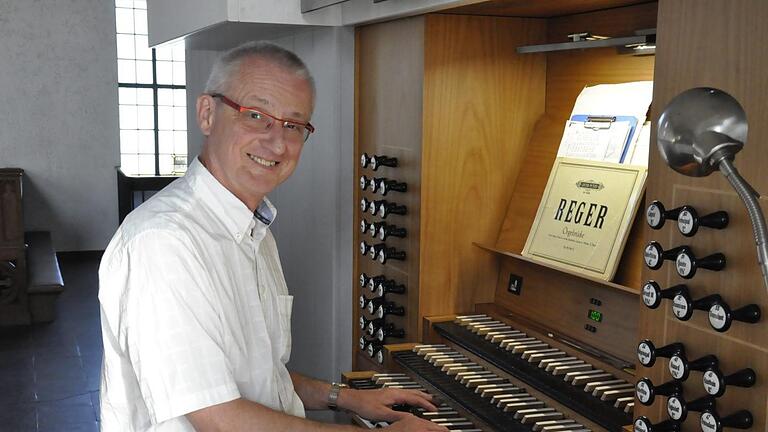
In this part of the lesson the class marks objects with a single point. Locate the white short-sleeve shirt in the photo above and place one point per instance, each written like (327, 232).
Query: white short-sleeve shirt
(194, 309)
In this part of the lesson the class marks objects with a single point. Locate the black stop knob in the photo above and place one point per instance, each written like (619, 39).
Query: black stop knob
(388, 253)
(683, 306)
(643, 424)
(688, 222)
(388, 287)
(680, 367)
(373, 347)
(373, 228)
(373, 250)
(365, 182)
(373, 325)
(647, 353)
(710, 421)
(656, 215)
(362, 301)
(384, 185)
(364, 226)
(655, 255)
(364, 247)
(371, 282)
(721, 316)
(365, 205)
(678, 408)
(384, 208)
(388, 330)
(363, 321)
(364, 278)
(686, 262)
(389, 308)
(646, 392)
(385, 230)
(373, 304)
(375, 162)
(363, 343)
(715, 382)
(653, 294)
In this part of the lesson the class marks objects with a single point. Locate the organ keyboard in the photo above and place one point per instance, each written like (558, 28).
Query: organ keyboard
(503, 377)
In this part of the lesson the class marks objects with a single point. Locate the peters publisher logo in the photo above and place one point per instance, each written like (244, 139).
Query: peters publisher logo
(590, 185)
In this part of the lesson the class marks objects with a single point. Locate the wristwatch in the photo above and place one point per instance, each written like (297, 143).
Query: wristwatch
(333, 395)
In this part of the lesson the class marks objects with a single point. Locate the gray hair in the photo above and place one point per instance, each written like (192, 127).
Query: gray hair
(228, 64)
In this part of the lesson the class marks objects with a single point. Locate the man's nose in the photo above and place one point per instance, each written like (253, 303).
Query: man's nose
(275, 139)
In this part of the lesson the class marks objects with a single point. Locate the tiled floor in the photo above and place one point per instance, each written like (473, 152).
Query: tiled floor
(49, 374)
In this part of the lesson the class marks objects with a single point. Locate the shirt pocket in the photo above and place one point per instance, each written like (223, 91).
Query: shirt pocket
(284, 309)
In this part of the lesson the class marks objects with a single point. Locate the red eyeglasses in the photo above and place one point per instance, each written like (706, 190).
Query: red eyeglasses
(260, 121)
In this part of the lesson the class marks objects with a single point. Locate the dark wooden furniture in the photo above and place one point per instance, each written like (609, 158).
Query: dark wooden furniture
(30, 278)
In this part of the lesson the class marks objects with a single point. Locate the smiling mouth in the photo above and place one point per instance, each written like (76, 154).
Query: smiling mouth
(263, 162)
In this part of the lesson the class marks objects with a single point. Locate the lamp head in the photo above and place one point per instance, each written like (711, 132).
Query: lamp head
(699, 128)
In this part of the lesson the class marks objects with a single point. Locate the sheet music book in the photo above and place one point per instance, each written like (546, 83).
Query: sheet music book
(585, 215)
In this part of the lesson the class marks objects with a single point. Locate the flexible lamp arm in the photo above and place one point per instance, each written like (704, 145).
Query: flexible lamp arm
(750, 198)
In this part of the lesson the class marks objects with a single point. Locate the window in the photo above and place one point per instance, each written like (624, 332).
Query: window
(152, 97)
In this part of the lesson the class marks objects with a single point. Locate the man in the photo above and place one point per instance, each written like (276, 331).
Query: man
(195, 311)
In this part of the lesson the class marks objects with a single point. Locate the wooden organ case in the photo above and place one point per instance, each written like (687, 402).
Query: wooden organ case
(462, 132)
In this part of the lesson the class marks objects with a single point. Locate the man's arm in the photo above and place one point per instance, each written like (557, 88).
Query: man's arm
(370, 404)
(313, 393)
(243, 415)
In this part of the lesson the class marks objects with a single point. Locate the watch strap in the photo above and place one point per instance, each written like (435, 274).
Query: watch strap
(333, 395)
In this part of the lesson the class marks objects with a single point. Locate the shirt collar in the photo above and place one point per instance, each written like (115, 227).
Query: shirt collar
(234, 214)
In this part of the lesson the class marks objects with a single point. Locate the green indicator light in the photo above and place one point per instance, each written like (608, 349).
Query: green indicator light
(595, 316)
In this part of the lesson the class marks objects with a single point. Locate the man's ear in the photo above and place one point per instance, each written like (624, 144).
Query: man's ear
(205, 109)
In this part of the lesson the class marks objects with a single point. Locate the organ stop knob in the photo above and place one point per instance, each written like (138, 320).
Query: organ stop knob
(647, 353)
(656, 215)
(678, 408)
(646, 392)
(655, 255)
(653, 294)
(686, 262)
(715, 382)
(721, 316)
(710, 421)
(683, 306)
(643, 424)
(688, 222)
(680, 367)
(385, 254)
(376, 161)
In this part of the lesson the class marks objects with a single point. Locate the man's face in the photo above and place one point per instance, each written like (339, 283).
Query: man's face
(251, 164)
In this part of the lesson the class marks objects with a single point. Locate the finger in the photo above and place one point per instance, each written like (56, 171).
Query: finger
(434, 427)
(419, 399)
(393, 416)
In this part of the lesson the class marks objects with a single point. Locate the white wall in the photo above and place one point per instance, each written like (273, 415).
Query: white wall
(58, 116)
(314, 224)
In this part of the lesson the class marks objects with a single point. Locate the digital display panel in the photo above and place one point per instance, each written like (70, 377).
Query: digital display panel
(595, 316)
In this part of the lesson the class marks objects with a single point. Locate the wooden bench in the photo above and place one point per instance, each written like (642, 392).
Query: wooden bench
(44, 281)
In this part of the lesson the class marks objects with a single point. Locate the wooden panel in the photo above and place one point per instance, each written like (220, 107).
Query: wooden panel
(713, 43)
(481, 100)
(560, 302)
(389, 115)
(604, 23)
(539, 8)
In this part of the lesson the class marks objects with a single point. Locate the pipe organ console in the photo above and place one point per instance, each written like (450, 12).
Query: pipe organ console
(455, 141)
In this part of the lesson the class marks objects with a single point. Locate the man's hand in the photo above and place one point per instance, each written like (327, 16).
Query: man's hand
(377, 404)
(411, 423)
